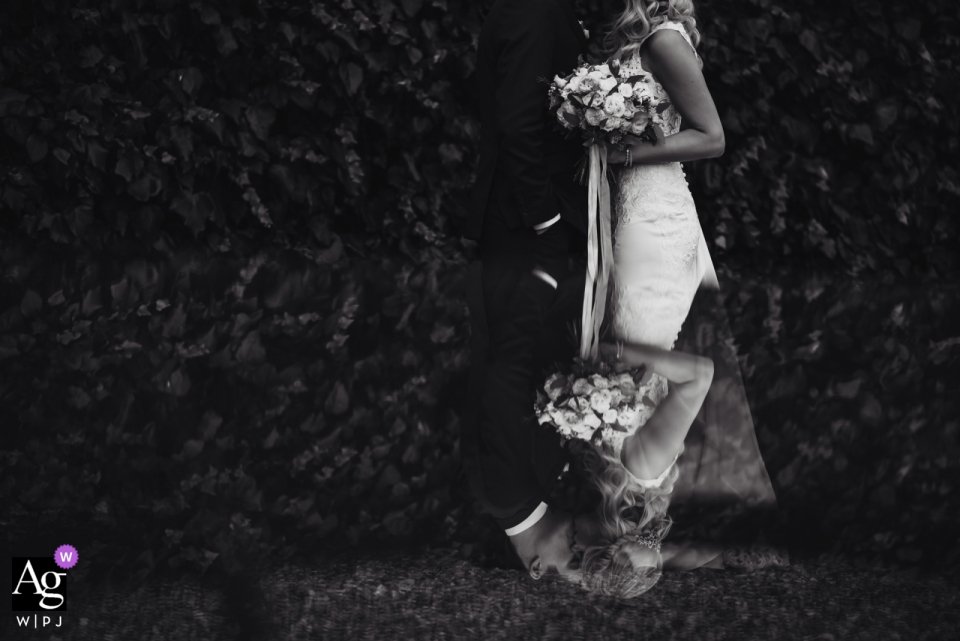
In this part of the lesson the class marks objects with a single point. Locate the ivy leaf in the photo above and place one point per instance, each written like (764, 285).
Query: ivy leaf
(261, 118)
(251, 349)
(129, 164)
(179, 383)
(145, 187)
(271, 439)
(196, 210)
(412, 7)
(97, 154)
(183, 140)
(338, 401)
(10, 97)
(36, 148)
(209, 15)
(90, 57)
(31, 303)
(352, 76)
(226, 43)
(862, 133)
(191, 80)
(193, 447)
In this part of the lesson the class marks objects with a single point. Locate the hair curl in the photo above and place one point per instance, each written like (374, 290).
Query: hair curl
(625, 508)
(638, 19)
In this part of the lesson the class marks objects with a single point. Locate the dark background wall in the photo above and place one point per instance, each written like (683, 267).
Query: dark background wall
(231, 317)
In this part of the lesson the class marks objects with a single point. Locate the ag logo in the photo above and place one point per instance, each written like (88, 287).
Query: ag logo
(38, 585)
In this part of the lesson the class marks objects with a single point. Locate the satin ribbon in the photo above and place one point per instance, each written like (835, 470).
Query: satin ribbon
(599, 253)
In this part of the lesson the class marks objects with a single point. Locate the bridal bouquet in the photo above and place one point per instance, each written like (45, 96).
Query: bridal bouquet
(591, 401)
(605, 107)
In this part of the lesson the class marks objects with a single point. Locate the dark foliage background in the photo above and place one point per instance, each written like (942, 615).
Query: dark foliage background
(231, 313)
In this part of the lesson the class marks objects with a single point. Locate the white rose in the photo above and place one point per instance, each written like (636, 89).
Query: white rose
(616, 396)
(610, 416)
(600, 400)
(637, 125)
(628, 388)
(608, 83)
(599, 381)
(625, 89)
(568, 116)
(583, 404)
(548, 387)
(612, 124)
(627, 417)
(582, 387)
(596, 73)
(594, 117)
(592, 421)
(560, 82)
(557, 417)
(588, 83)
(614, 105)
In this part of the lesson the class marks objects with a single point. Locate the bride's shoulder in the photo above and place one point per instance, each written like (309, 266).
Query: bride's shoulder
(668, 34)
(669, 40)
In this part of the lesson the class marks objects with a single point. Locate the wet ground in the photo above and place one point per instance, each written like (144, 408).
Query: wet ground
(438, 595)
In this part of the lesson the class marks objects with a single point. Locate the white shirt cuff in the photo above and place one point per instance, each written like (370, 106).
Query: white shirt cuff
(545, 277)
(540, 226)
(530, 521)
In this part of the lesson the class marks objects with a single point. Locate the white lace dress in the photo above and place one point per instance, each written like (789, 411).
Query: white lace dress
(660, 257)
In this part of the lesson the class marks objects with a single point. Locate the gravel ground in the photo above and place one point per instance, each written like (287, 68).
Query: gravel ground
(437, 595)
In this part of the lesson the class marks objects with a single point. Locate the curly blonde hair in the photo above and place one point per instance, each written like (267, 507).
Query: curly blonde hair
(639, 17)
(625, 509)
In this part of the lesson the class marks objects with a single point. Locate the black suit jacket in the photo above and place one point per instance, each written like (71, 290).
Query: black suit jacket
(526, 163)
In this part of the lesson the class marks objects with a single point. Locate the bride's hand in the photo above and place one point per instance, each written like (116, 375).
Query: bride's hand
(615, 155)
(613, 354)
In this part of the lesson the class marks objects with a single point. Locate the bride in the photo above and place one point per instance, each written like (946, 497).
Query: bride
(660, 262)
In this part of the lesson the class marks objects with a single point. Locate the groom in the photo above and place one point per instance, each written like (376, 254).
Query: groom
(528, 214)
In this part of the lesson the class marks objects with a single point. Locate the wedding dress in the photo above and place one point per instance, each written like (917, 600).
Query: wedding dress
(662, 270)
(660, 256)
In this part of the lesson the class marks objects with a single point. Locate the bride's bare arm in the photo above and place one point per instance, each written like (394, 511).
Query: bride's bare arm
(674, 64)
(684, 557)
(648, 452)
